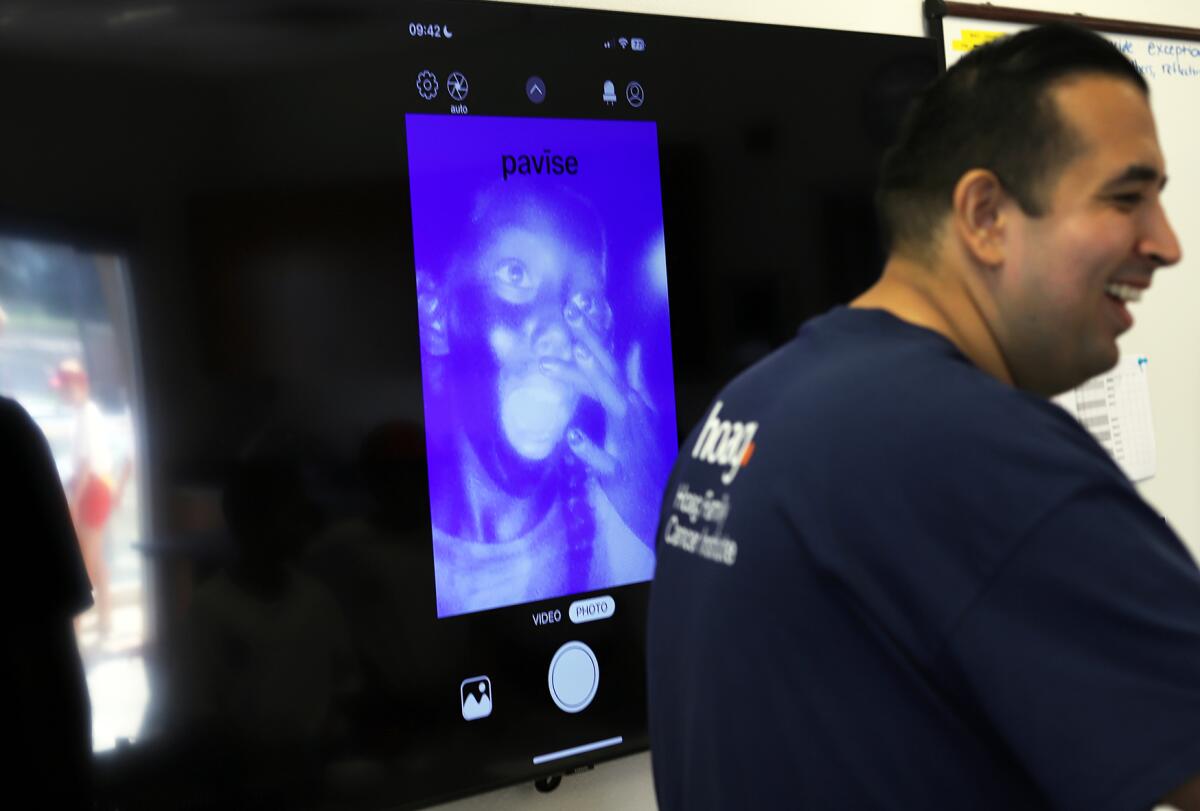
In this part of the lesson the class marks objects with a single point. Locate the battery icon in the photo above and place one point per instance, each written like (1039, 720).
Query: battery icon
(637, 44)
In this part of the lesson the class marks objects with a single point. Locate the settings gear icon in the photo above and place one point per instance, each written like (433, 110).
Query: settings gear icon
(427, 85)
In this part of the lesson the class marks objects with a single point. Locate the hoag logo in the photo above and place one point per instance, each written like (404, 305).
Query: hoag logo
(725, 443)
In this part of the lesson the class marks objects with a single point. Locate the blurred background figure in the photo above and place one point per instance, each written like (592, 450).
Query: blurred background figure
(267, 667)
(92, 485)
(367, 561)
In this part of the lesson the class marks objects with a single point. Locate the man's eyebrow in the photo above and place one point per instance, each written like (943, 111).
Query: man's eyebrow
(1137, 173)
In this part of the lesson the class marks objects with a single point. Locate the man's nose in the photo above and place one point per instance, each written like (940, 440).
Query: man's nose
(1160, 244)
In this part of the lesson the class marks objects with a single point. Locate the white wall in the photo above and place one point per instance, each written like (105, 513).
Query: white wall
(626, 784)
(883, 16)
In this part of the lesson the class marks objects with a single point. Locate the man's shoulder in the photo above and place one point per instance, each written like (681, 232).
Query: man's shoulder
(866, 370)
(887, 401)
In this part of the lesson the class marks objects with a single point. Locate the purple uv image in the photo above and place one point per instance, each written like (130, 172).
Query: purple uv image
(545, 353)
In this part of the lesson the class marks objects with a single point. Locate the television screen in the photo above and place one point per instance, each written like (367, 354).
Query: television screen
(397, 313)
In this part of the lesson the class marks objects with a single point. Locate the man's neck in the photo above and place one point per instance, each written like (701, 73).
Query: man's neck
(937, 298)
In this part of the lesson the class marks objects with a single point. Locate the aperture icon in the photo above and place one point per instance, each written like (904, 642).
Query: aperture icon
(456, 86)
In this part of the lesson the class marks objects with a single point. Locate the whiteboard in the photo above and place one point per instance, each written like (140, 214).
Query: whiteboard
(1166, 327)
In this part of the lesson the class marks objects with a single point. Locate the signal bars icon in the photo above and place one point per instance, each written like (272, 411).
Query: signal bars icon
(626, 44)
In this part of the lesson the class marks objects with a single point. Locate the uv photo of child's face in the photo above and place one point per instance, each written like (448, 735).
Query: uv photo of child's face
(545, 352)
(533, 277)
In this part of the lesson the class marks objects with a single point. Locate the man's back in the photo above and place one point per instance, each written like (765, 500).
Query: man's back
(886, 579)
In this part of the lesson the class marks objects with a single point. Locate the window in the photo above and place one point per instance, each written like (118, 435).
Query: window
(66, 354)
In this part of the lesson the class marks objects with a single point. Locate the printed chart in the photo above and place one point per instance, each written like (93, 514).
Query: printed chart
(1115, 408)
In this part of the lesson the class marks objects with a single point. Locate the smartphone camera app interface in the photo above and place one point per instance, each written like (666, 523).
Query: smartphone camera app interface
(545, 353)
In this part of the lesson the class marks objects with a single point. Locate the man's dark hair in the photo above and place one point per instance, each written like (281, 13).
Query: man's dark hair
(992, 110)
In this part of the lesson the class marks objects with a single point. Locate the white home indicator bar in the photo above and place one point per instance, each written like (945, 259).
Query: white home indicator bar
(577, 750)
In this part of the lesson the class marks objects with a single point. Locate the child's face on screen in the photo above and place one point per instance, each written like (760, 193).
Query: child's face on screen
(529, 279)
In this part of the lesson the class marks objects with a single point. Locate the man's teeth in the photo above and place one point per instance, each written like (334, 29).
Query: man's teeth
(1124, 292)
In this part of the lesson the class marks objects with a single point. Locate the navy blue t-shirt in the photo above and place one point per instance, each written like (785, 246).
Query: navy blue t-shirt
(887, 580)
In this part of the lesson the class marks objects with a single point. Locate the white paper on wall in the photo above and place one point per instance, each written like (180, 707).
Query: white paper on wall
(1115, 408)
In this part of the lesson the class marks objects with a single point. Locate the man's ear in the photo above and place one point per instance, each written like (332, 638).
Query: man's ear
(431, 315)
(980, 216)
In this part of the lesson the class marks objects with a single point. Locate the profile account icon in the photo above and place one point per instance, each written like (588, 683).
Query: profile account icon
(635, 94)
(476, 696)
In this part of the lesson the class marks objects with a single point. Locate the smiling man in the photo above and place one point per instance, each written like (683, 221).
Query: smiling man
(1031, 269)
(944, 594)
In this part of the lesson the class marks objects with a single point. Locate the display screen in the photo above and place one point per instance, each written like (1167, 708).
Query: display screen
(545, 353)
(396, 315)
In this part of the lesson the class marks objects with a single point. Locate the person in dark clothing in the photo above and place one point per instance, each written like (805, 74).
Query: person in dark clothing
(48, 719)
(891, 573)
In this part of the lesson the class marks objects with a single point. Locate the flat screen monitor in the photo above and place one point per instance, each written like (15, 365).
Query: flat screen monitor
(415, 302)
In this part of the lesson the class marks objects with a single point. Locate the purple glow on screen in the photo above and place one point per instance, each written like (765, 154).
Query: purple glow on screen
(545, 353)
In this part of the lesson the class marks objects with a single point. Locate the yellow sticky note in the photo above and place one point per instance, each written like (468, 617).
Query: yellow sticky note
(972, 38)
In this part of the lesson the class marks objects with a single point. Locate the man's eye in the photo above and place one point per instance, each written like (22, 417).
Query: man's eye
(1128, 200)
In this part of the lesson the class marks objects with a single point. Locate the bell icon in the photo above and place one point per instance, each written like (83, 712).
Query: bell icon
(610, 93)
